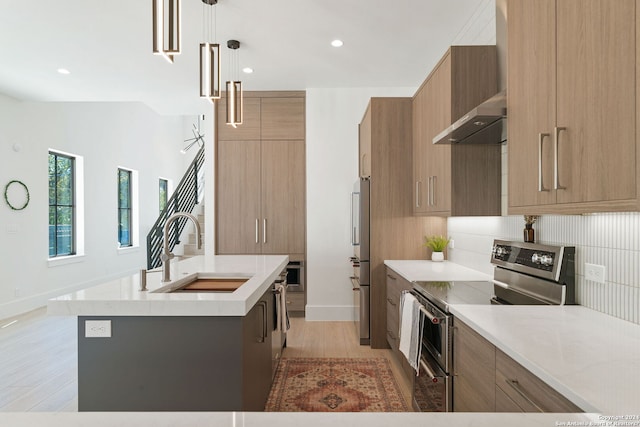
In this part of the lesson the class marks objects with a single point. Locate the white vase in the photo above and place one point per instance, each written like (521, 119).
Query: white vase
(437, 256)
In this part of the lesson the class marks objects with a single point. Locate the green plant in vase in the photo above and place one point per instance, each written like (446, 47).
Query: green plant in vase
(437, 244)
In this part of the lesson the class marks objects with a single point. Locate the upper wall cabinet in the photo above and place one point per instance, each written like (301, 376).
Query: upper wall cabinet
(457, 180)
(250, 127)
(282, 118)
(571, 102)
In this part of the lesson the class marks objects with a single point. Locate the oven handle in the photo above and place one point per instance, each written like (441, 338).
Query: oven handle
(427, 369)
(435, 320)
(501, 284)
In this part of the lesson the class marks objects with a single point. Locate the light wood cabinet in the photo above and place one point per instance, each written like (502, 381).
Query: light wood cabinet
(238, 198)
(364, 146)
(283, 197)
(260, 183)
(526, 390)
(487, 380)
(282, 118)
(395, 233)
(396, 284)
(572, 132)
(475, 367)
(249, 129)
(452, 180)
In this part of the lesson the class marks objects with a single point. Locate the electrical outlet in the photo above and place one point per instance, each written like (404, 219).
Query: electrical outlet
(451, 244)
(97, 328)
(594, 272)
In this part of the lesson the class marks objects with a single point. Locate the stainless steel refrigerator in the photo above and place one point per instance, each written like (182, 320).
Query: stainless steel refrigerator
(360, 280)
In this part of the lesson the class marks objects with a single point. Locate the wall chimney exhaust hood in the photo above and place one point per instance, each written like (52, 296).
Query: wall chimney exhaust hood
(485, 124)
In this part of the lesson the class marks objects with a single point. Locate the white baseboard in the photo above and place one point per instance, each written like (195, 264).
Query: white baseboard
(328, 313)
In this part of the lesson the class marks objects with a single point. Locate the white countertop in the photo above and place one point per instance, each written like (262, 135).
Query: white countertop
(444, 271)
(292, 419)
(591, 358)
(122, 297)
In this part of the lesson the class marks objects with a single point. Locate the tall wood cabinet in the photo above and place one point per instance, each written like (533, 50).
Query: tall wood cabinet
(572, 97)
(260, 177)
(395, 233)
(460, 179)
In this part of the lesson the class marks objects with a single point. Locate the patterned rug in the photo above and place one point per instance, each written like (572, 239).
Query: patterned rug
(335, 385)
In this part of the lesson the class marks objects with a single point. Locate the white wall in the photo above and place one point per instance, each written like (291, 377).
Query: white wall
(333, 116)
(107, 135)
(332, 160)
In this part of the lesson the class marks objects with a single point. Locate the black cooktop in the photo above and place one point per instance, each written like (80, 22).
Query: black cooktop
(442, 294)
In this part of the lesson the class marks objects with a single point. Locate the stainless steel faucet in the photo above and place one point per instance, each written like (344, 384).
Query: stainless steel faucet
(167, 256)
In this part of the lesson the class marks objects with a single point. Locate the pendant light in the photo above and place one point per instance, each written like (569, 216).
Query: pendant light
(234, 87)
(210, 78)
(166, 28)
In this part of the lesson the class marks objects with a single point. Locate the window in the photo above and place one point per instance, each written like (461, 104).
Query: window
(124, 208)
(62, 206)
(163, 193)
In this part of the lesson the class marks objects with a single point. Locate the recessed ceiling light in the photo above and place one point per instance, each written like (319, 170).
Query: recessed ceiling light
(336, 43)
(64, 71)
(247, 70)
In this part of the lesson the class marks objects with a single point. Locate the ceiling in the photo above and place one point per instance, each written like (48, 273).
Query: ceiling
(107, 47)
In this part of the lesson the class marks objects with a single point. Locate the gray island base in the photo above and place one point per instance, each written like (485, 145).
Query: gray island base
(178, 363)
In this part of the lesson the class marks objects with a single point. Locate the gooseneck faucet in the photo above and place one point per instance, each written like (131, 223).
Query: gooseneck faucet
(167, 256)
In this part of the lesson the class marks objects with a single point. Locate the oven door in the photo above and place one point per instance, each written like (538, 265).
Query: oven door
(436, 334)
(432, 391)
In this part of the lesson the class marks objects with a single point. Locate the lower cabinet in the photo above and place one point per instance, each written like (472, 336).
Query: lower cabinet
(178, 363)
(395, 285)
(487, 380)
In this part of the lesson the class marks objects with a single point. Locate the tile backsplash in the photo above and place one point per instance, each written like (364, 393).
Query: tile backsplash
(609, 239)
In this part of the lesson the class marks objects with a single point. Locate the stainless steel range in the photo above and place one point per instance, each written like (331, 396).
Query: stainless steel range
(524, 274)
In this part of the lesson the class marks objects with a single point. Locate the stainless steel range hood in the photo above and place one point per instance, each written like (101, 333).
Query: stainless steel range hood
(485, 124)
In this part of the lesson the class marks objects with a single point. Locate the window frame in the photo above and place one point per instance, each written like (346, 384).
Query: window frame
(166, 194)
(128, 209)
(73, 205)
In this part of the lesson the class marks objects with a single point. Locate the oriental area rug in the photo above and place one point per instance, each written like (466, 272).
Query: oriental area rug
(335, 385)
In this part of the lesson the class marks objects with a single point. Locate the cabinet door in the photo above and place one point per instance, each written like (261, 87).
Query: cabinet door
(256, 354)
(282, 118)
(420, 130)
(439, 117)
(283, 200)
(250, 127)
(531, 103)
(238, 197)
(475, 367)
(596, 92)
(364, 144)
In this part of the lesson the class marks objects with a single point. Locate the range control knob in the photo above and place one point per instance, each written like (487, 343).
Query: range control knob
(500, 251)
(536, 258)
(546, 260)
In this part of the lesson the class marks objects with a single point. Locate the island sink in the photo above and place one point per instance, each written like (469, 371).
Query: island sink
(205, 282)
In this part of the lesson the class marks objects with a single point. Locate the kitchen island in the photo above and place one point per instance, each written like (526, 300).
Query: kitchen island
(176, 351)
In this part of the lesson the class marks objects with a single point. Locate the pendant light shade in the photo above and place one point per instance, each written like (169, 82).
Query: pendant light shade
(234, 87)
(166, 28)
(210, 77)
(234, 103)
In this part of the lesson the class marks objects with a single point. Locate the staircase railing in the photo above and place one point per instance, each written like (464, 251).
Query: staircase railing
(186, 196)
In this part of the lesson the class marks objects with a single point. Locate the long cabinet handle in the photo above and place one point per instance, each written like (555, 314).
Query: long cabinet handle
(433, 190)
(417, 194)
(541, 137)
(429, 192)
(556, 134)
(257, 232)
(264, 230)
(514, 384)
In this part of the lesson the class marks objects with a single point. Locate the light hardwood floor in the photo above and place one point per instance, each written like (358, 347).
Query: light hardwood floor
(38, 358)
